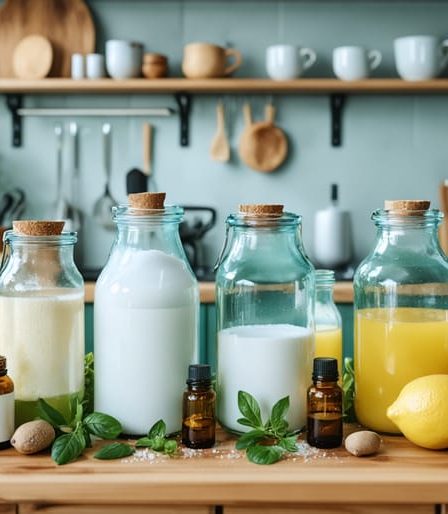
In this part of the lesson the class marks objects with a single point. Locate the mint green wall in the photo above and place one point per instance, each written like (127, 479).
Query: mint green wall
(393, 146)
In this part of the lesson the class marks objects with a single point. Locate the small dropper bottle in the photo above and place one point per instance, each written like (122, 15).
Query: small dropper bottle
(325, 405)
(6, 405)
(198, 418)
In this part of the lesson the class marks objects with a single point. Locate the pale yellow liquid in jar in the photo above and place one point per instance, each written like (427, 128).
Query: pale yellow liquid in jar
(329, 344)
(393, 347)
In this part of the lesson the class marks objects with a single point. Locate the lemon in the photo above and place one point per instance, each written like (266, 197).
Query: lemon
(421, 411)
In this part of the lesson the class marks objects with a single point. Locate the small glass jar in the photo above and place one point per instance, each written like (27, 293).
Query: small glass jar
(146, 315)
(6, 405)
(42, 319)
(401, 309)
(328, 320)
(265, 314)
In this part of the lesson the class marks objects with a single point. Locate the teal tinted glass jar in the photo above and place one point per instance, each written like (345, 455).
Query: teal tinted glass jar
(265, 314)
(401, 309)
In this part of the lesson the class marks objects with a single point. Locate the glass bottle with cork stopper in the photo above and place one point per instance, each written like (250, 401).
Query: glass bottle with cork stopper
(324, 427)
(146, 316)
(42, 316)
(6, 405)
(401, 309)
(198, 418)
(265, 314)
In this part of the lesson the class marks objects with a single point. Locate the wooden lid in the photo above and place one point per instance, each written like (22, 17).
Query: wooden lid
(155, 58)
(38, 227)
(407, 207)
(147, 200)
(260, 209)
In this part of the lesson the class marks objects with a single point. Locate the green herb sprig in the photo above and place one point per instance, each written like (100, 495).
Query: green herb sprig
(157, 440)
(268, 441)
(348, 387)
(74, 435)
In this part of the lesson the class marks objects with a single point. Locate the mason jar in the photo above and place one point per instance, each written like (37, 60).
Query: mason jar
(42, 317)
(146, 315)
(401, 309)
(265, 314)
(328, 320)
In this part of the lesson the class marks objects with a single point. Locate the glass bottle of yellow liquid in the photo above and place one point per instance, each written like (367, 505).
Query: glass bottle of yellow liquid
(328, 322)
(401, 309)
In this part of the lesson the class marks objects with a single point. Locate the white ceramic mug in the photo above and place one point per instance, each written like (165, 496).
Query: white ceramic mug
(123, 59)
(420, 57)
(284, 62)
(355, 62)
(78, 67)
(95, 66)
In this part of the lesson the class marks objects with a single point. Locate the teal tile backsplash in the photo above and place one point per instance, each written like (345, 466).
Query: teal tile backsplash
(393, 146)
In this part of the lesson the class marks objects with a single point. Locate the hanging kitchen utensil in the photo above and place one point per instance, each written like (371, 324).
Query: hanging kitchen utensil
(136, 179)
(60, 206)
(220, 149)
(68, 24)
(74, 213)
(147, 155)
(263, 146)
(443, 231)
(102, 210)
(6, 203)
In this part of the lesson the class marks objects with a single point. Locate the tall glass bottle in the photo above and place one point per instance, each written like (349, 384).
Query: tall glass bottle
(42, 317)
(328, 320)
(265, 307)
(401, 309)
(146, 318)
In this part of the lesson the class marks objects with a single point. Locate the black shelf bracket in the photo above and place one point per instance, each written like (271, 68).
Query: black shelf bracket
(337, 102)
(184, 101)
(14, 103)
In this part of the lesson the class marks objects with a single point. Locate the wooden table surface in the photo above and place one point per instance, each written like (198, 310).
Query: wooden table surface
(400, 474)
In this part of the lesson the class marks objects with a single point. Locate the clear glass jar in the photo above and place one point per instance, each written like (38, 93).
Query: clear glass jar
(328, 320)
(42, 321)
(146, 315)
(265, 321)
(401, 311)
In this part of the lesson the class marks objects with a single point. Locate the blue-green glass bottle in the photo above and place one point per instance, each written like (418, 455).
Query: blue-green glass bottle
(265, 314)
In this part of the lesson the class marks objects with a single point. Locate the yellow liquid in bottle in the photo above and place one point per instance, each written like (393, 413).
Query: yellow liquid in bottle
(329, 344)
(393, 347)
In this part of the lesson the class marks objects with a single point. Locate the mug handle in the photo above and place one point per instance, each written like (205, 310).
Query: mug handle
(375, 58)
(444, 48)
(238, 60)
(309, 57)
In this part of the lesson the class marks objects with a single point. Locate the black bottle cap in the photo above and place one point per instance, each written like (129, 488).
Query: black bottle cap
(199, 373)
(325, 368)
(334, 193)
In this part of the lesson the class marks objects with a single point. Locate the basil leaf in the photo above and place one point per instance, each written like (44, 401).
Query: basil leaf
(279, 411)
(157, 430)
(114, 451)
(280, 428)
(102, 425)
(250, 438)
(48, 413)
(249, 408)
(289, 443)
(88, 383)
(158, 444)
(348, 387)
(259, 454)
(87, 438)
(144, 442)
(170, 447)
(67, 448)
(245, 422)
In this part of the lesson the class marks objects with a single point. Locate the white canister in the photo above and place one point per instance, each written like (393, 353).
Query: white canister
(123, 59)
(95, 66)
(78, 67)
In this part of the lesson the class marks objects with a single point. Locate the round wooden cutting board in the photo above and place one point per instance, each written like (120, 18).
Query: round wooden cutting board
(67, 24)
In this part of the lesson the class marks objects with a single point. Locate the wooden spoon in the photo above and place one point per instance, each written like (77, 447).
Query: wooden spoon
(220, 149)
(263, 146)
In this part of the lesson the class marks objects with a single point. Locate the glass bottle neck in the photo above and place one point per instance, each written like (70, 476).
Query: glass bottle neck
(164, 237)
(324, 294)
(325, 383)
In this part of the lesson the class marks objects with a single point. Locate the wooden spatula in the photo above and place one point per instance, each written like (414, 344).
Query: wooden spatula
(220, 149)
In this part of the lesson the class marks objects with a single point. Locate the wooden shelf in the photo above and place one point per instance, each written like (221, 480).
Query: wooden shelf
(243, 85)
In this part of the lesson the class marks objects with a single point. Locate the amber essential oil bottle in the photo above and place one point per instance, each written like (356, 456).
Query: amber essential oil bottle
(324, 428)
(6, 406)
(198, 417)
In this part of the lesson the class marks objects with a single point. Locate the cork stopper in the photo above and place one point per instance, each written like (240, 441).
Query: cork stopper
(267, 210)
(2, 363)
(38, 227)
(407, 207)
(147, 200)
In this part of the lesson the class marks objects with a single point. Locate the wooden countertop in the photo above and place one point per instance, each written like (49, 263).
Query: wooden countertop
(400, 474)
(343, 292)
